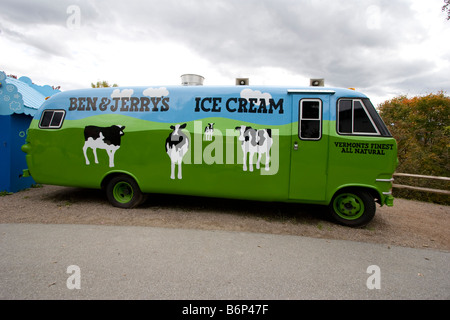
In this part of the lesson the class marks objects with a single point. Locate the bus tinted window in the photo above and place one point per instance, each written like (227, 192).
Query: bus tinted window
(384, 131)
(310, 119)
(46, 118)
(362, 122)
(353, 118)
(345, 116)
(57, 116)
(52, 119)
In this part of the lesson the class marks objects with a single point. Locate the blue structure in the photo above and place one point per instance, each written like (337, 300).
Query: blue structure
(19, 101)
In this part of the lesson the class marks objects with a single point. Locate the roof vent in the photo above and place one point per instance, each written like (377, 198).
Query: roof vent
(192, 80)
(242, 81)
(317, 82)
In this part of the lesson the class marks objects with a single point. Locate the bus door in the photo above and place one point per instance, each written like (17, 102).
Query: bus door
(309, 146)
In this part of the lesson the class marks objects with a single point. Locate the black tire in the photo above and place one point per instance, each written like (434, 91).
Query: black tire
(122, 191)
(352, 208)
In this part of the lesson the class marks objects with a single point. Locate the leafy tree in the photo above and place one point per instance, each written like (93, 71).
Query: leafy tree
(102, 84)
(446, 8)
(421, 126)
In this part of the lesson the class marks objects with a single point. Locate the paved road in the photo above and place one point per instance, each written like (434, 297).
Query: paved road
(159, 263)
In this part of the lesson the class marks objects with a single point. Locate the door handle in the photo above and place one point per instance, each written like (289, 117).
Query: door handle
(295, 146)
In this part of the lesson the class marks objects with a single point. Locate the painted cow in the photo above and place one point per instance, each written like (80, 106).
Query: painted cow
(255, 141)
(265, 141)
(107, 138)
(209, 131)
(177, 144)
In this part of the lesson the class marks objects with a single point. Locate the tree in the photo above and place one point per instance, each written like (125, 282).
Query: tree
(102, 84)
(446, 8)
(421, 126)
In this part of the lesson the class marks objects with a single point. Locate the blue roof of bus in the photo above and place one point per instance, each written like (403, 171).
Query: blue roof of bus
(160, 99)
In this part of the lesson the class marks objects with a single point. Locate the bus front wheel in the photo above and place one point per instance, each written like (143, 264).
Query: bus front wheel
(352, 208)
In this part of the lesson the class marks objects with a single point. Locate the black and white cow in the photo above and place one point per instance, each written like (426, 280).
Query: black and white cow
(107, 138)
(265, 141)
(209, 131)
(255, 141)
(249, 144)
(177, 144)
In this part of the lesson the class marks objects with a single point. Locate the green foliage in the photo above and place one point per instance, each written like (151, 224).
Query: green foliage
(446, 8)
(421, 126)
(102, 84)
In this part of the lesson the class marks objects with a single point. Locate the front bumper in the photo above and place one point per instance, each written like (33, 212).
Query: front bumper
(389, 201)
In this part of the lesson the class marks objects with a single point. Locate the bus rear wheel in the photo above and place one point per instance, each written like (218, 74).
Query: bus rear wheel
(353, 208)
(122, 191)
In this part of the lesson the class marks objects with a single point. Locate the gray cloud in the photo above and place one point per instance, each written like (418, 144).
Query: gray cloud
(330, 38)
(349, 42)
(36, 12)
(19, 19)
(45, 12)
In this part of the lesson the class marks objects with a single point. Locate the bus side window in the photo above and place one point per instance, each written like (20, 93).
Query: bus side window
(345, 123)
(52, 119)
(310, 124)
(353, 118)
(362, 121)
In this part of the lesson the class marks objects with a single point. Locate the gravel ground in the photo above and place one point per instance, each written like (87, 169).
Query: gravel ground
(409, 223)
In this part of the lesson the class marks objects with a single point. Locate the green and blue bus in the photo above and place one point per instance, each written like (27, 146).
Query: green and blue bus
(317, 145)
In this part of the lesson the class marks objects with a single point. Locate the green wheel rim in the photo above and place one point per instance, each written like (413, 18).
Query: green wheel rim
(123, 192)
(348, 206)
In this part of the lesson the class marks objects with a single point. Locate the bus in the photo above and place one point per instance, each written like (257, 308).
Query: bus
(316, 145)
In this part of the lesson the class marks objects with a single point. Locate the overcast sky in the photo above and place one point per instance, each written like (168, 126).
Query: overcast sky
(383, 48)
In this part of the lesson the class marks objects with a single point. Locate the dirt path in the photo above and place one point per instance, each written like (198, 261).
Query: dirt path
(408, 223)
